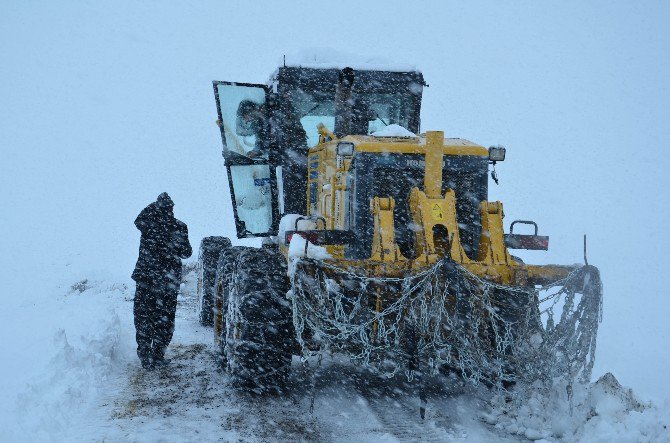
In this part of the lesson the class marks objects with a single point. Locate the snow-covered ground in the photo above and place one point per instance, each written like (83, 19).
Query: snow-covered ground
(92, 388)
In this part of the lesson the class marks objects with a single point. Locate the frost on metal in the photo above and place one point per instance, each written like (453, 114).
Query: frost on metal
(446, 317)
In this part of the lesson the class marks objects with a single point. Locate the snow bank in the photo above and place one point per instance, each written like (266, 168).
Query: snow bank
(393, 130)
(89, 352)
(329, 58)
(603, 411)
(72, 383)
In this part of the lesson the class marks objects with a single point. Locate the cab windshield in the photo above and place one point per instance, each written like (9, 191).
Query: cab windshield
(319, 107)
(384, 97)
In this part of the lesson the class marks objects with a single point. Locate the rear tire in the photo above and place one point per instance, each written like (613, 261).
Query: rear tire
(210, 248)
(259, 327)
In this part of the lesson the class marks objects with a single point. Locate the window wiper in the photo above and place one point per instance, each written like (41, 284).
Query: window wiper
(316, 106)
(379, 117)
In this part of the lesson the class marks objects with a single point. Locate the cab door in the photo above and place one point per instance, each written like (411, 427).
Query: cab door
(252, 177)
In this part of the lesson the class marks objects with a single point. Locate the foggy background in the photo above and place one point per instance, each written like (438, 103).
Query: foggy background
(104, 106)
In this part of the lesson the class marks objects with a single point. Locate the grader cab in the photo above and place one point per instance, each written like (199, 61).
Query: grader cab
(380, 242)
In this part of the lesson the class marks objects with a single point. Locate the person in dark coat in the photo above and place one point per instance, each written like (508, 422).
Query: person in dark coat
(163, 244)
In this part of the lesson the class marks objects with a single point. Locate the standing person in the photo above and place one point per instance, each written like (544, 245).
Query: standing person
(163, 244)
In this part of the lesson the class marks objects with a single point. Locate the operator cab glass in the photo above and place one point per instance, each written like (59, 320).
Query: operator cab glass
(261, 144)
(251, 178)
(313, 108)
(387, 109)
(390, 97)
(253, 198)
(240, 117)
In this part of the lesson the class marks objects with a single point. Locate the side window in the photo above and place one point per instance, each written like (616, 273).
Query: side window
(242, 117)
(312, 108)
(253, 198)
(252, 180)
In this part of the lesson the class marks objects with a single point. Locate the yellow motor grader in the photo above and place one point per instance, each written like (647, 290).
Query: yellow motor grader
(379, 242)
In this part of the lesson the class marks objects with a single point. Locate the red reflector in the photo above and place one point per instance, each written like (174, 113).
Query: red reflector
(533, 242)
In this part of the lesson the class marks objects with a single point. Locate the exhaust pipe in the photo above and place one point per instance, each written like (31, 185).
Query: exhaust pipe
(344, 103)
(352, 115)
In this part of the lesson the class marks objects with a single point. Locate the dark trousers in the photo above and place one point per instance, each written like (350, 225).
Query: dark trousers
(154, 309)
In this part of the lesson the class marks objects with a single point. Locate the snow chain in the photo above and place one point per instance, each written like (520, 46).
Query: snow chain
(448, 317)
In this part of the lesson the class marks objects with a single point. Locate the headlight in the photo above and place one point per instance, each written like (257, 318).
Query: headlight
(345, 149)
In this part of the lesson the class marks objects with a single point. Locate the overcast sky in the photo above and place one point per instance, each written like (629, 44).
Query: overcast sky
(103, 105)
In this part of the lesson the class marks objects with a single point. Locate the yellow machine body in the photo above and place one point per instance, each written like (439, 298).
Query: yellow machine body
(406, 261)
(434, 214)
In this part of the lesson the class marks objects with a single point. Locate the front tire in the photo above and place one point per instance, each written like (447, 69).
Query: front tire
(259, 327)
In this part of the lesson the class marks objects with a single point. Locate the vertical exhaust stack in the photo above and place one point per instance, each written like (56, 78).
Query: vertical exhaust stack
(344, 112)
(432, 179)
(352, 114)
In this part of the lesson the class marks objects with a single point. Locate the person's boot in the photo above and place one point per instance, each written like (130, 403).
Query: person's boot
(146, 358)
(148, 363)
(159, 358)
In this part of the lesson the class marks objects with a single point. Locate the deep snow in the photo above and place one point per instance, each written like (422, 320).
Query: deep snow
(93, 389)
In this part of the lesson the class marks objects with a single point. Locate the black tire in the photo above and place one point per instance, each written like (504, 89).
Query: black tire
(522, 310)
(210, 248)
(224, 271)
(259, 322)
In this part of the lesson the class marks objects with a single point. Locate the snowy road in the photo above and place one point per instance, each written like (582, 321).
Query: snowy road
(87, 385)
(191, 398)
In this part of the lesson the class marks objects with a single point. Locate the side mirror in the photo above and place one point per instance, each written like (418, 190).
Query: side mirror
(497, 153)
